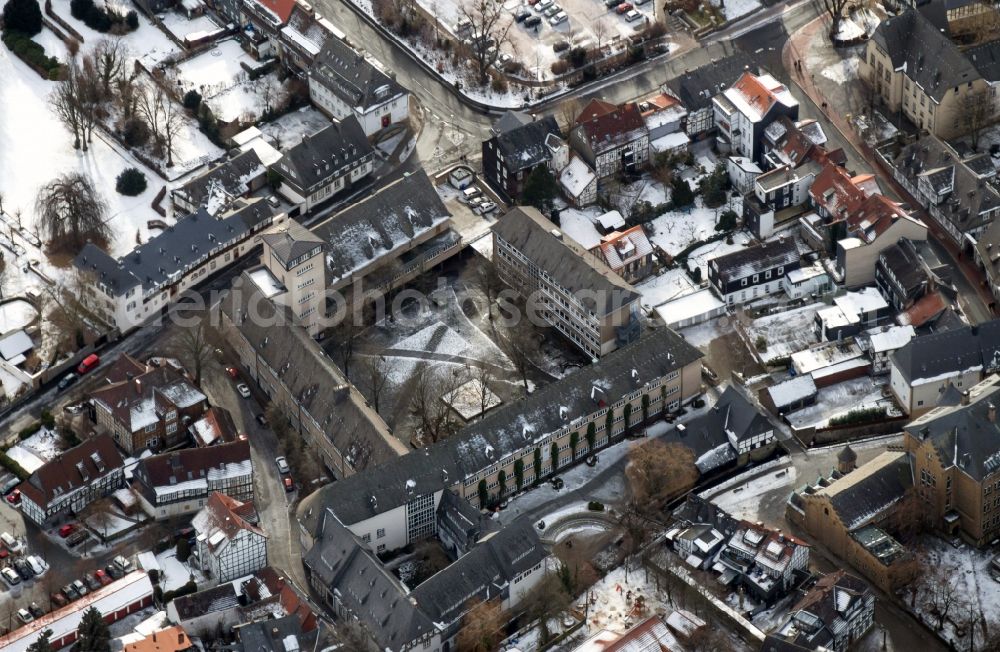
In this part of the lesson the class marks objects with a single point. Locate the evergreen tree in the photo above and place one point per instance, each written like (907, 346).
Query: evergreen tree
(680, 193)
(93, 633)
(42, 643)
(22, 16)
(484, 494)
(591, 436)
(554, 452)
(540, 189)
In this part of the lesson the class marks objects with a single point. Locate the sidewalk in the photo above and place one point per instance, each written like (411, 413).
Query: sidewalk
(829, 78)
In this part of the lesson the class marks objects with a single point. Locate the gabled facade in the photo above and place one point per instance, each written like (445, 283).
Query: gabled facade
(324, 164)
(628, 253)
(216, 189)
(753, 272)
(696, 88)
(293, 274)
(837, 612)
(611, 139)
(744, 110)
(908, 271)
(344, 82)
(228, 546)
(301, 40)
(874, 226)
(67, 484)
(516, 147)
(769, 563)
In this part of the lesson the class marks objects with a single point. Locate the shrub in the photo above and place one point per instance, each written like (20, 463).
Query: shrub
(12, 466)
(183, 549)
(727, 221)
(560, 67)
(154, 575)
(131, 182)
(136, 132)
(680, 193)
(180, 591)
(192, 100)
(48, 420)
(29, 431)
(761, 343)
(32, 53)
(578, 57)
(498, 85)
(23, 16)
(863, 415)
(595, 506)
(132, 20)
(103, 20)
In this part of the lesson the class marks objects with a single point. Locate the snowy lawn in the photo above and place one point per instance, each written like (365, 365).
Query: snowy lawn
(180, 26)
(675, 230)
(743, 500)
(220, 75)
(291, 127)
(15, 315)
(147, 44)
(54, 47)
(672, 284)
(174, 573)
(785, 333)
(702, 255)
(736, 8)
(839, 399)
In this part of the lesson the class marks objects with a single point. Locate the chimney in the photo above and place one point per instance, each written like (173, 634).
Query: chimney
(138, 385)
(991, 412)
(965, 397)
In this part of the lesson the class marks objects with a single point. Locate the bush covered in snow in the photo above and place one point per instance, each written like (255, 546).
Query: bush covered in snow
(131, 182)
(103, 20)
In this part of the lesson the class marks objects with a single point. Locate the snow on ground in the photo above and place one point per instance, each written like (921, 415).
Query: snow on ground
(221, 78)
(839, 399)
(672, 284)
(736, 8)
(623, 599)
(147, 44)
(173, 572)
(655, 193)
(785, 332)
(15, 315)
(702, 255)
(875, 128)
(180, 26)
(843, 71)
(743, 500)
(675, 230)
(109, 524)
(578, 224)
(54, 47)
(701, 335)
(291, 127)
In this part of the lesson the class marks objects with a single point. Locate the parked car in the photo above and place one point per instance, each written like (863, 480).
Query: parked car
(522, 14)
(233, 372)
(552, 11)
(38, 565)
(533, 21)
(23, 569)
(243, 390)
(592, 460)
(74, 409)
(70, 592)
(11, 543)
(611, 4)
(102, 577)
(66, 381)
(557, 483)
(623, 8)
(88, 363)
(560, 45)
(14, 497)
(123, 563)
(282, 464)
(261, 419)
(633, 16)
(67, 530)
(92, 582)
(487, 207)
(77, 538)
(561, 17)
(80, 587)
(58, 598)
(36, 610)
(544, 4)
(114, 571)
(24, 616)
(289, 484)
(10, 576)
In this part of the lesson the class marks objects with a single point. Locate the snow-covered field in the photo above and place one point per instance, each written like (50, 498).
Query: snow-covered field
(702, 255)
(743, 499)
(174, 573)
(220, 76)
(15, 315)
(839, 399)
(737, 8)
(785, 332)
(147, 44)
(291, 127)
(675, 230)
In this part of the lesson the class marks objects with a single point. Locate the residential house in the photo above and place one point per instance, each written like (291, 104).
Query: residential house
(852, 313)
(954, 189)
(293, 274)
(987, 253)
(387, 239)
(766, 563)
(923, 369)
(835, 193)
(754, 272)
(627, 253)
(285, 362)
(127, 291)
(696, 88)
(262, 21)
(213, 428)
(908, 271)
(215, 607)
(301, 40)
(850, 514)
(284, 634)
(916, 70)
(517, 145)
(742, 173)
(806, 281)
(128, 595)
(153, 410)
(217, 188)
(697, 544)
(69, 483)
(835, 613)
(578, 183)
(874, 226)
(344, 82)
(778, 198)
(228, 545)
(611, 139)
(879, 343)
(650, 634)
(180, 482)
(395, 503)
(324, 164)
(170, 639)
(955, 453)
(744, 110)
(787, 142)
(665, 117)
(578, 294)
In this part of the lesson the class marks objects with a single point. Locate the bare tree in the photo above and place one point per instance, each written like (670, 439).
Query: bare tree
(975, 113)
(111, 60)
(66, 312)
(71, 212)
(835, 8)
(938, 590)
(658, 471)
(435, 417)
(521, 344)
(345, 334)
(272, 95)
(569, 110)
(482, 627)
(489, 30)
(484, 376)
(194, 345)
(546, 600)
(601, 29)
(73, 103)
(164, 117)
(376, 371)
(487, 281)
(352, 635)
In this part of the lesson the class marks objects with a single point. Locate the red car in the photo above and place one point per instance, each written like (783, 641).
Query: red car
(289, 484)
(232, 371)
(67, 530)
(102, 577)
(623, 8)
(88, 363)
(58, 599)
(14, 497)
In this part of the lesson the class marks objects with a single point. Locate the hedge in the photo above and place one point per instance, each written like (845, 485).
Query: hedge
(863, 415)
(32, 54)
(29, 431)
(12, 466)
(595, 506)
(180, 591)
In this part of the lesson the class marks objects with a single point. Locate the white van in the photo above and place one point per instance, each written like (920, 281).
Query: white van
(470, 192)
(122, 563)
(37, 564)
(11, 543)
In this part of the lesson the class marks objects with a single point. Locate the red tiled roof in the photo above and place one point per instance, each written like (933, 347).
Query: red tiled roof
(172, 639)
(62, 475)
(613, 126)
(756, 94)
(225, 514)
(925, 309)
(835, 189)
(873, 217)
(595, 109)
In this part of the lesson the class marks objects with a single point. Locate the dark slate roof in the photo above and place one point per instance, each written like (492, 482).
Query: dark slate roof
(847, 454)
(510, 120)
(565, 260)
(774, 643)
(509, 429)
(930, 58)
(696, 88)
(913, 262)
(384, 221)
(524, 147)
(863, 497)
(202, 603)
(745, 262)
(271, 634)
(231, 177)
(699, 510)
(481, 573)
(326, 154)
(167, 469)
(341, 562)
(964, 435)
(351, 77)
(311, 377)
(986, 59)
(949, 351)
(291, 242)
(177, 249)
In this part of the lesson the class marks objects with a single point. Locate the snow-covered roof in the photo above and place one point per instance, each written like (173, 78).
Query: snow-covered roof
(746, 164)
(267, 282)
(891, 338)
(792, 391)
(669, 142)
(576, 177)
(692, 305)
(611, 220)
(15, 345)
(863, 301)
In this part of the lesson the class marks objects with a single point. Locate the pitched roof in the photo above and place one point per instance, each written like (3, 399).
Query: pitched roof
(219, 184)
(565, 260)
(696, 88)
(510, 120)
(873, 217)
(275, 634)
(169, 469)
(221, 520)
(508, 429)
(73, 469)
(279, 8)
(865, 493)
(927, 56)
(177, 249)
(755, 95)
(837, 191)
(942, 353)
(766, 255)
(291, 241)
(606, 126)
(988, 252)
(218, 598)
(524, 146)
(986, 59)
(351, 77)
(622, 247)
(379, 224)
(145, 400)
(171, 639)
(326, 154)
(216, 426)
